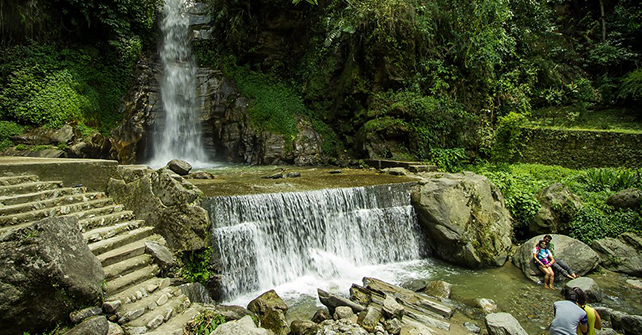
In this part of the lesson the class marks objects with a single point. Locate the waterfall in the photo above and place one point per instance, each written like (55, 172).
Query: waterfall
(270, 239)
(178, 134)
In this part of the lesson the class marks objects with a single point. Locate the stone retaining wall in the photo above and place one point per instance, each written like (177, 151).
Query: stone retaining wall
(581, 148)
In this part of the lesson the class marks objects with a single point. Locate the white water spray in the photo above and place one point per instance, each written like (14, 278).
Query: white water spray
(178, 134)
(311, 238)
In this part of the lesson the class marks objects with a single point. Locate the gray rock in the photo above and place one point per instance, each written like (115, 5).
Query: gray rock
(503, 324)
(391, 308)
(487, 305)
(97, 325)
(369, 318)
(321, 315)
(605, 331)
(611, 315)
(473, 328)
(110, 307)
(558, 207)
(244, 326)
(79, 315)
(579, 256)
(49, 258)
(632, 324)
(343, 312)
(465, 217)
(230, 312)
(293, 175)
(589, 286)
(622, 254)
(181, 167)
(438, 289)
(200, 175)
(635, 283)
(393, 326)
(198, 293)
(162, 256)
(63, 135)
(303, 327)
(342, 326)
(333, 301)
(627, 199)
(270, 310)
(115, 329)
(395, 171)
(168, 201)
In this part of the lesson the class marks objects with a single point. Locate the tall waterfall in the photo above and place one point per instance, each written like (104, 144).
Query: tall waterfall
(178, 134)
(270, 239)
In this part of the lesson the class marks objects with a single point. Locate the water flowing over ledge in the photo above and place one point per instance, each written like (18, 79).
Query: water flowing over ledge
(267, 240)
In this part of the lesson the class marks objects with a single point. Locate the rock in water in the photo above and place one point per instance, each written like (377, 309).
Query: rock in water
(503, 324)
(181, 167)
(271, 309)
(46, 272)
(465, 217)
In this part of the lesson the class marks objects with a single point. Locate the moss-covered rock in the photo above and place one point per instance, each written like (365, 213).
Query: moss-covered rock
(465, 217)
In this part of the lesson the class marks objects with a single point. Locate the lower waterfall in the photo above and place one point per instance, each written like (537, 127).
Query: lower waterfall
(266, 240)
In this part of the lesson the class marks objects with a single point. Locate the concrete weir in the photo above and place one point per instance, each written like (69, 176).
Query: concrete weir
(91, 173)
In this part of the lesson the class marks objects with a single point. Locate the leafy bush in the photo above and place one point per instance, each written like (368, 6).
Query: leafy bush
(611, 179)
(8, 129)
(631, 85)
(451, 160)
(197, 265)
(508, 137)
(592, 224)
(204, 323)
(44, 85)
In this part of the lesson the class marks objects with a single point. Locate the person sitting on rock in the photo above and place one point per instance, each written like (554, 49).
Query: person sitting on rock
(559, 266)
(544, 259)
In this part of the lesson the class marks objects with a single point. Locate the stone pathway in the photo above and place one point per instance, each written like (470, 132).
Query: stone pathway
(135, 297)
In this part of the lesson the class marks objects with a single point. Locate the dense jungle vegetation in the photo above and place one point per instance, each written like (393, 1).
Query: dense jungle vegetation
(450, 81)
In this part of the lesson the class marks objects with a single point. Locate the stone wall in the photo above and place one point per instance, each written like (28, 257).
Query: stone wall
(581, 148)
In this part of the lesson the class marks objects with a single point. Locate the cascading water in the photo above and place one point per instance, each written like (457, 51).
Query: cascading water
(268, 240)
(178, 133)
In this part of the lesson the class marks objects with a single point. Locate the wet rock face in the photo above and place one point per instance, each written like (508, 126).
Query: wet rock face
(465, 217)
(46, 272)
(558, 207)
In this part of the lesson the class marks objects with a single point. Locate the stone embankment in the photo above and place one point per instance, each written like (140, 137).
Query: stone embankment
(136, 299)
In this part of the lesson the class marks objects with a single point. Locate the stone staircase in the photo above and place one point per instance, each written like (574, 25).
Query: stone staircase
(135, 297)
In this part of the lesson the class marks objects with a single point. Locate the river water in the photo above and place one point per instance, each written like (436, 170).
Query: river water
(297, 242)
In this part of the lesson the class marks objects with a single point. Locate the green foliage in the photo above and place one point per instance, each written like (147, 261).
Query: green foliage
(204, 323)
(611, 179)
(22, 147)
(631, 85)
(45, 85)
(275, 105)
(451, 160)
(8, 129)
(592, 224)
(197, 265)
(508, 137)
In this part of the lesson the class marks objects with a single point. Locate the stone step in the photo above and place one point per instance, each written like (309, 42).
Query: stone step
(127, 251)
(160, 297)
(139, 291)
(41, 195)
(105, 216)
(160, 314)
(64, 210)
(29, 187)
(50, 203)
(102, 233)
(127, 266)
(121, 283)
(175, 325)
(118, 241)
(21, 179)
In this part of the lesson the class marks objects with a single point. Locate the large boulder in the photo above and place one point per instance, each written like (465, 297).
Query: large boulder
(589, 286)
(503, 324)
(46, 272)
(577, 255)
(465, 217)
(270, 310)
(558, 206)
(627, 199)
(622, 254)
(166, 200)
